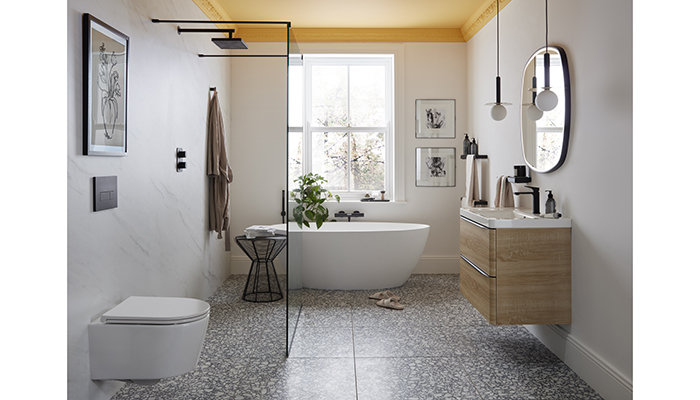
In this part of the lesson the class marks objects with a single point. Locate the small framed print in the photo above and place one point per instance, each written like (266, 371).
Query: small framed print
(435, 166)
(435, 119)
(105, 69)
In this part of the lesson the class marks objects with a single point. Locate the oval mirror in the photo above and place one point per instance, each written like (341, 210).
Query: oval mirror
(545, 134)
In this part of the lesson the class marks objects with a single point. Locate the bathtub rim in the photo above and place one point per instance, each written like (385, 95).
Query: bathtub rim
(402, 226)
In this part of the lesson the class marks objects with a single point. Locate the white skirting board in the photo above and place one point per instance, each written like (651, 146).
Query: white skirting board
(437, 265)
(601, 376)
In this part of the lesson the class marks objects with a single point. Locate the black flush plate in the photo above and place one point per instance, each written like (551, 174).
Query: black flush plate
(104, 195)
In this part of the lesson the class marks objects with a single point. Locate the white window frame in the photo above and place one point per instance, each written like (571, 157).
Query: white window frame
(355, 59)
(396, 151)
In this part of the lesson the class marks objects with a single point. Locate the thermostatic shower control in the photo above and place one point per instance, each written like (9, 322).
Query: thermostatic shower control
(180, 156)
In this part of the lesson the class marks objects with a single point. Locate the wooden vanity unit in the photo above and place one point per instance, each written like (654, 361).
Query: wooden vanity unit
(516, 276)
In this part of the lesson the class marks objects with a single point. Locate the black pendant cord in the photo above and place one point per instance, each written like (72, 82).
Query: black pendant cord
(498, 39)
(546, 26)
(498, 53)
(546, 43)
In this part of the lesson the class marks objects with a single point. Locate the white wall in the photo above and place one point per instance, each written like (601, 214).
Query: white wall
(257, 141)
(594, 186)
(156, 243)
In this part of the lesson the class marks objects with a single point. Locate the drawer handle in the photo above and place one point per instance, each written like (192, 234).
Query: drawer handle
(473, 223)
(475, 267)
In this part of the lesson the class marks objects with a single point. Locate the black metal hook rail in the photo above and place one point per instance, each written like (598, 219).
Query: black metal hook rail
(184, 21)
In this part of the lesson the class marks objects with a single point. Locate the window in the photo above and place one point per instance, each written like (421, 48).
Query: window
(341, 113)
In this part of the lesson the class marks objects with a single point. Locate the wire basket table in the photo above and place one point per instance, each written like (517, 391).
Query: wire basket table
(262, 285)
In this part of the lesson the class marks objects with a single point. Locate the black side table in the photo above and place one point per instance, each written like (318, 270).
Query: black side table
(259, 287)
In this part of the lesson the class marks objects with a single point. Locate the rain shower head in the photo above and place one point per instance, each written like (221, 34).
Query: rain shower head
(224, 43)
(230, 43)
(227, 43)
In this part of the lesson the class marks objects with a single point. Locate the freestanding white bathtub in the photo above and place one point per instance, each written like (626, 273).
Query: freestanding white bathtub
(357, 255)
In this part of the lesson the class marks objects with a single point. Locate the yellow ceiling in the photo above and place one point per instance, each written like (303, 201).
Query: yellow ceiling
(360, 20)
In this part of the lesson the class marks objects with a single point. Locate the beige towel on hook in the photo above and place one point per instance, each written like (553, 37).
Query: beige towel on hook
(504, 193)
(472, 193)
(218, 170)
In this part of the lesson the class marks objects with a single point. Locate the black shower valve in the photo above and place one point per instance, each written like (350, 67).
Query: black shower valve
(180, 163)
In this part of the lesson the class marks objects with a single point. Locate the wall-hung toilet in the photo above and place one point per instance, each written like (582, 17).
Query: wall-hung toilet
(145, 339)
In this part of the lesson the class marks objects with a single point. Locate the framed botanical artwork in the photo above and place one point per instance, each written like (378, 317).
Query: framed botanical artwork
(105, 71)
(435, 119)
(435, 166)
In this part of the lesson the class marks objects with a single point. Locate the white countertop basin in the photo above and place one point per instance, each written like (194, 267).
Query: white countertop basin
(509, 217)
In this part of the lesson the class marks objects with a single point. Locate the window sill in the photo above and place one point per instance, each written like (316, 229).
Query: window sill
(372, 202)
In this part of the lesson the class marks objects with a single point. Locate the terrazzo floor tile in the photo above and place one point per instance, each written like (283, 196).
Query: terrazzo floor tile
(325, 316)
(413, 378)
(456, 314)
(329, 298)
(369, 314)
(511, 381)
(278, 316)
(298, 378)
(401, 341)
(461, 342)
(215, 377)
(508, 344)
(322, 342)
(238, 341)
(273, 343)
(240, 314)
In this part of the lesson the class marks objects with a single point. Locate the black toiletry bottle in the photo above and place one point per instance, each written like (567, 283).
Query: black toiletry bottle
(550, 206)
(465, 145)
(474, 148)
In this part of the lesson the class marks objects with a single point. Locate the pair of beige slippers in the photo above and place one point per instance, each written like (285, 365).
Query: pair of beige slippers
(387, 300)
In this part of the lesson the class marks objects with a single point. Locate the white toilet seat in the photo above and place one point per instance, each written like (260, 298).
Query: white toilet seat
(144, 310)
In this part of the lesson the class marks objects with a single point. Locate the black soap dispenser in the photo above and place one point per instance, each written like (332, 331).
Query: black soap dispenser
(550, 206)
(466, 148)
(474, 148)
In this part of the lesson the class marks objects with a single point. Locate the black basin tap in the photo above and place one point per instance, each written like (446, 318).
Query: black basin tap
(535, 198)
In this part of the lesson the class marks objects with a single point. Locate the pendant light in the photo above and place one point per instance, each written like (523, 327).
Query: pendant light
(534, 113)
(498, 111)
(547, 100)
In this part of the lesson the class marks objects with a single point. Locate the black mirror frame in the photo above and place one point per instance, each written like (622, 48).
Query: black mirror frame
(567, 109)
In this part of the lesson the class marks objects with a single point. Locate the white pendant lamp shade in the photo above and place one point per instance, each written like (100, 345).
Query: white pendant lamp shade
(546, 100)
(534, 113)
(498, 112)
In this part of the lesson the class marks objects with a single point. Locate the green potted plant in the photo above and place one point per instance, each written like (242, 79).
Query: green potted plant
(310, 197)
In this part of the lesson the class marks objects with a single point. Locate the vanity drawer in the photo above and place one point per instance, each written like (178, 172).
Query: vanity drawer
(479, 289)
(534, 276)
(478, 244)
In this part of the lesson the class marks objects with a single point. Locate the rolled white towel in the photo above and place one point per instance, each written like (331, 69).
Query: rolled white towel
(259, 231)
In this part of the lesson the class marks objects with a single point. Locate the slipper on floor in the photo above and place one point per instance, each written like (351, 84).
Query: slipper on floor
(391, 302)
(384, 295)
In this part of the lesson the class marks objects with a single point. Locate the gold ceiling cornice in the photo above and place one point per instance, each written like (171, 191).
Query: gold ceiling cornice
(214, 11)
(376, 35)
(480, 18)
